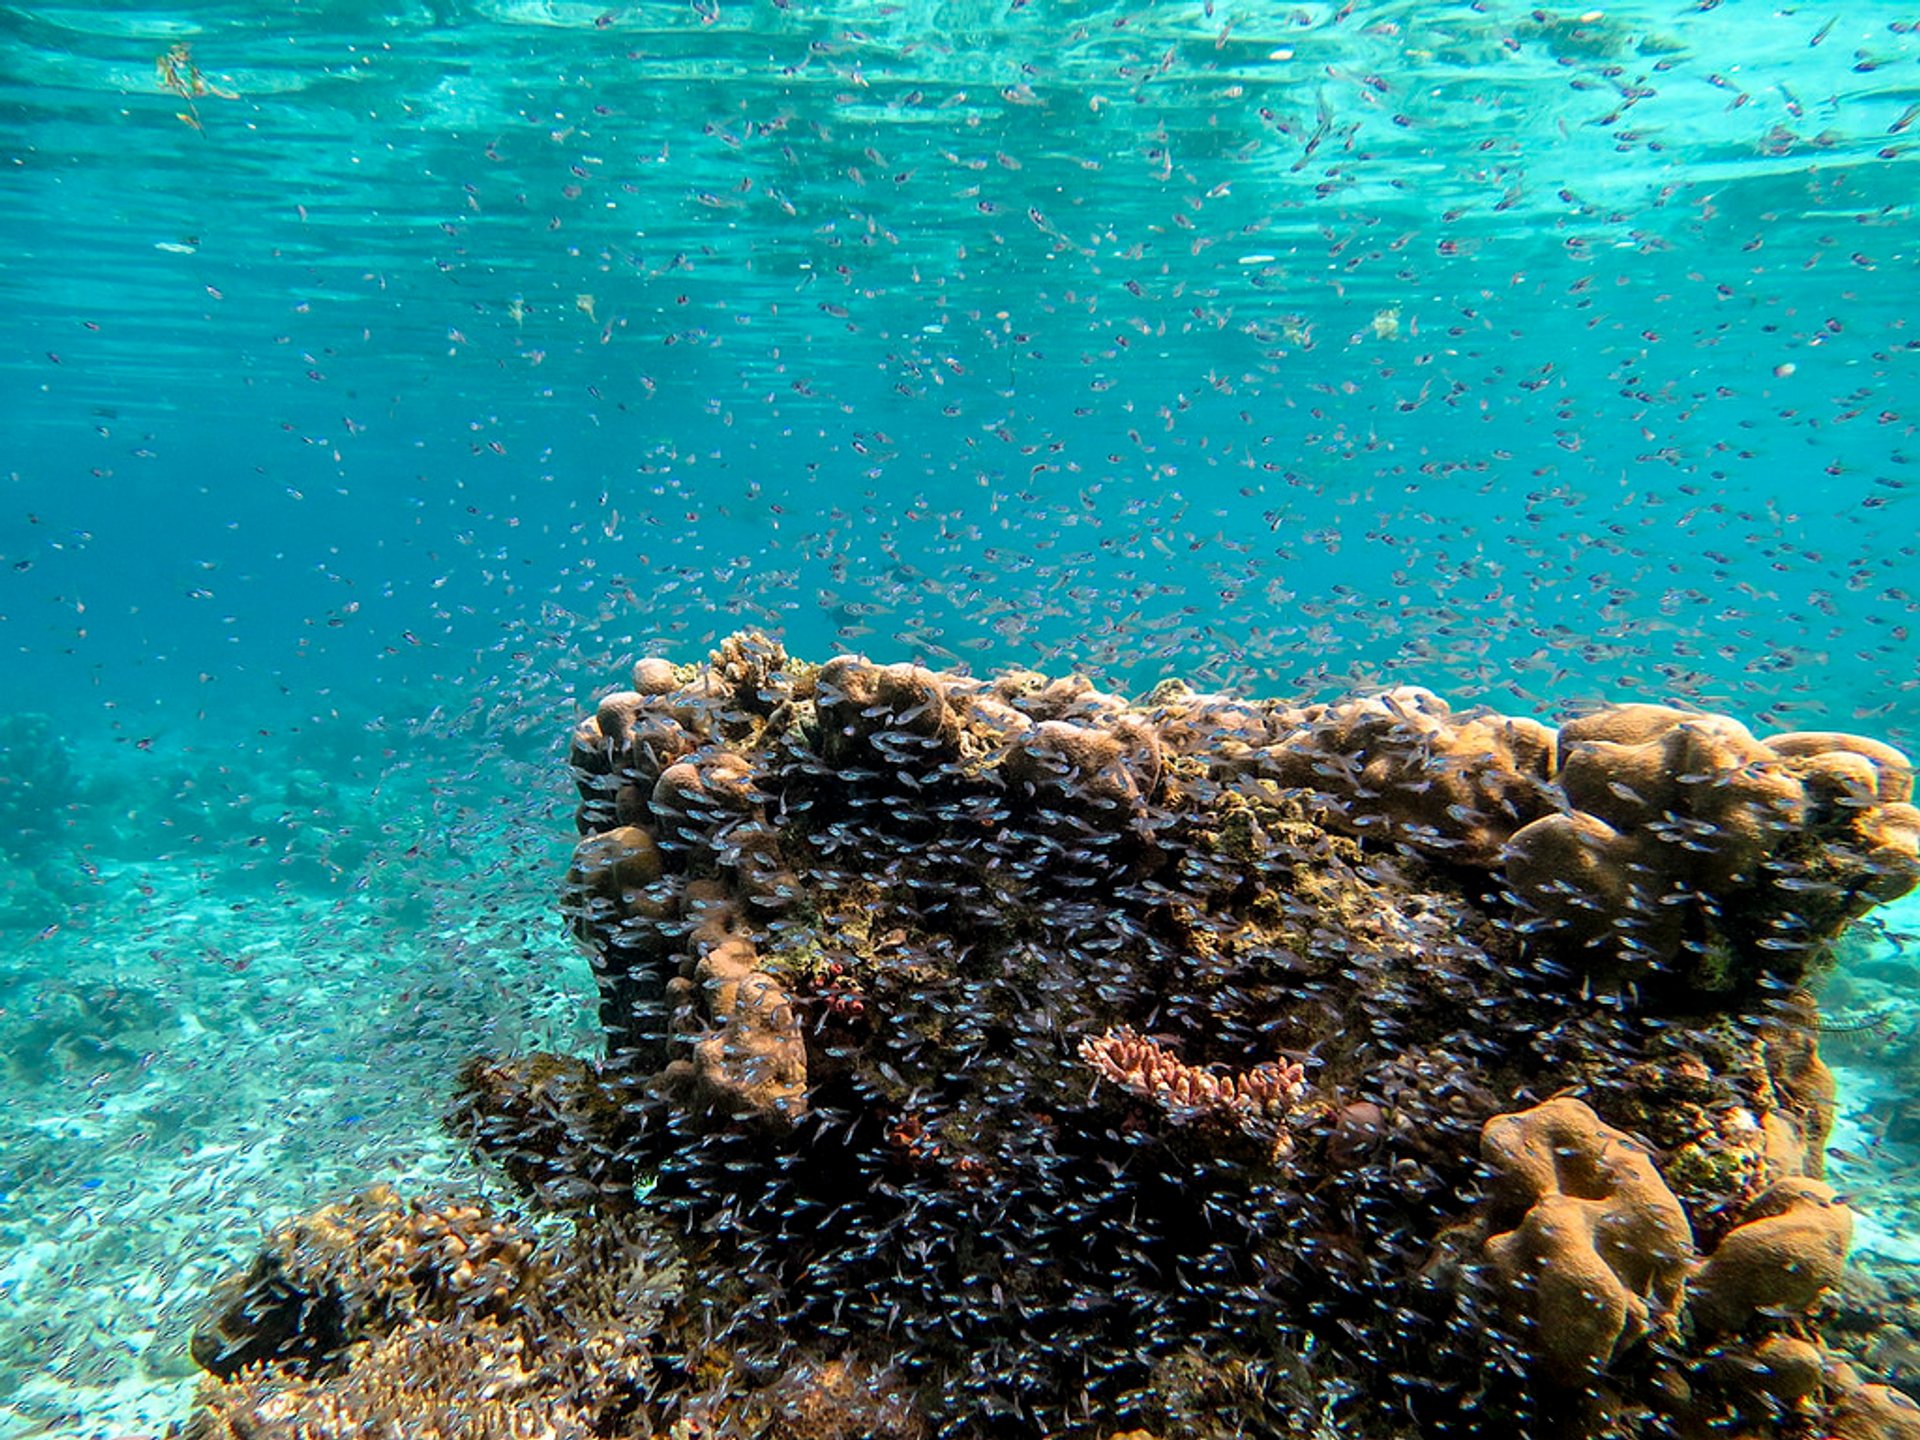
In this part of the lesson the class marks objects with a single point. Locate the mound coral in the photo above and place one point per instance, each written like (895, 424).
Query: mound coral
(1788, 1249)
(1682, 837)
(1592, 1252)
(1404, 766)
(1599, 1248)
(997, 1057)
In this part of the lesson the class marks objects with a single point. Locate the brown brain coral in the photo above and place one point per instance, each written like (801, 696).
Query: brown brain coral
(1789, 1248)
(1686, 843)
(1595, 1248)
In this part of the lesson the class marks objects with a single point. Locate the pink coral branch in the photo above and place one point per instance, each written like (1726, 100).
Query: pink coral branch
(1148, 1069)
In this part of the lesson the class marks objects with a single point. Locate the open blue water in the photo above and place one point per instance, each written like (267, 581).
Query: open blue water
(379, 380)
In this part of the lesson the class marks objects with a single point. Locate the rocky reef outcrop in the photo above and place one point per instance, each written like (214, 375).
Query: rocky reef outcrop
(1002, 1057)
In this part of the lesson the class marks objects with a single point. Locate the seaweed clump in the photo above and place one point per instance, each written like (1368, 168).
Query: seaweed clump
(999, 1057)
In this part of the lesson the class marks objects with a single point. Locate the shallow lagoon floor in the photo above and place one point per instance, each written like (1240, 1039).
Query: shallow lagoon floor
(198, 1048)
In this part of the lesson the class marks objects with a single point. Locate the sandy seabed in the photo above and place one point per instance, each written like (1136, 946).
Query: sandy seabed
(189, 1063)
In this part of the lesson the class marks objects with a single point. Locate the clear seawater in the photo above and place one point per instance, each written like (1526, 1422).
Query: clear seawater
(379, 380)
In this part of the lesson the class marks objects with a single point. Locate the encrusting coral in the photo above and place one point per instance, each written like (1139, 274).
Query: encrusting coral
(1253, 1101)
(1591, 1252)
(997, 1057)
(1150, 1070)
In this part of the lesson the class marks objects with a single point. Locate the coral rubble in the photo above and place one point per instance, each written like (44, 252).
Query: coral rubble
(1001, 1057)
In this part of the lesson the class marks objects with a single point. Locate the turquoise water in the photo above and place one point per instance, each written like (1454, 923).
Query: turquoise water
(382, 381)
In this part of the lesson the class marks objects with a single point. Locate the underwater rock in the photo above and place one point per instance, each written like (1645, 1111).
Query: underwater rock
(999, 1058)
(30, 899)
(98, 1032)
(41, 800)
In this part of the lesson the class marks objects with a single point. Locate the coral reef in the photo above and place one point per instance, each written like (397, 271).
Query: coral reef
(40, 797)
(31, 898)
(997, 1057)
(1404, 767)
(99, 1033)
